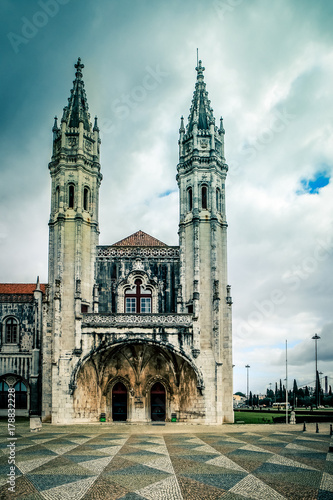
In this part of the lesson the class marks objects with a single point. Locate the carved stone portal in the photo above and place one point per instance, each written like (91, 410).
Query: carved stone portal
(139, 368)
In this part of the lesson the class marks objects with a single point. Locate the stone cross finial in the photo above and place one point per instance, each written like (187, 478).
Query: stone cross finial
(200, 69)
(78, 65)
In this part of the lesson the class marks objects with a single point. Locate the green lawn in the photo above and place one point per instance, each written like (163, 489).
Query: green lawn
(248, 417)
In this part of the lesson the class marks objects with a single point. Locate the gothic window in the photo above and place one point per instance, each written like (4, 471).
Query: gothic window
(137, 299)
(20, 396)
(71, 196)
(3, 395)
(218, 200)
(57, 197)
(11, 331)
(204, 196)
(86, 198)
(189, 200)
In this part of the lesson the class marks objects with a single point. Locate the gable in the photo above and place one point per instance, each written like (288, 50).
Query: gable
(139, 239)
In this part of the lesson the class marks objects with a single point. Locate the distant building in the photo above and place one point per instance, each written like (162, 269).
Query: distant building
(238, 400)
(137, 330)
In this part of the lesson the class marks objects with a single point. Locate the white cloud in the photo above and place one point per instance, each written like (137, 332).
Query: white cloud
(269, 69)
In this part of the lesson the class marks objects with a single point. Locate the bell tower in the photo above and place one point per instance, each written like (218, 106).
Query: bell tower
(204, 289)
(73, 226)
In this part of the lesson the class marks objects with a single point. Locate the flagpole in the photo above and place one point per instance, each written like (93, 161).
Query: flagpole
(286, 381)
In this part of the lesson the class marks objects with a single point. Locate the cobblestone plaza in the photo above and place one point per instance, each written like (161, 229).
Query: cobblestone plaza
(169, 462)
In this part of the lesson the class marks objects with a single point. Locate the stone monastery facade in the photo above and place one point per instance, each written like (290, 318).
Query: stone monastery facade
(136, 331)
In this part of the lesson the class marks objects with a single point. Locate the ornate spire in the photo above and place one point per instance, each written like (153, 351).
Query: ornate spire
(77, 109)
(55, 125)
(182, 128)
(200, 112)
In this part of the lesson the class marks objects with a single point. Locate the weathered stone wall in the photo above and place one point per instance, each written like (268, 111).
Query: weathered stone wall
(161, 264)
(22, 359)
(24, 312)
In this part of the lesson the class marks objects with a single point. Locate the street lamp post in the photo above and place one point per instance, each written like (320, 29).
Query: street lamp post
(319, 386)
(315, 338)
(247, 369)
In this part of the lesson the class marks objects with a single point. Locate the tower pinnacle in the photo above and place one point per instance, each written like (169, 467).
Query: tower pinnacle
(76, 110)
(200, 113)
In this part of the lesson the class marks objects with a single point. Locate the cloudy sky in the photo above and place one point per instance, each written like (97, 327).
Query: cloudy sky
(269, 72)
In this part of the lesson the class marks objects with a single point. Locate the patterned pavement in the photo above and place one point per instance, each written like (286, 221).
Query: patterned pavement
(105, 462)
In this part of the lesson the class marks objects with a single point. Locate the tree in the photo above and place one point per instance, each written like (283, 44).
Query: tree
(240, 394)
(317, 389)
(295, 392)
(280, 393)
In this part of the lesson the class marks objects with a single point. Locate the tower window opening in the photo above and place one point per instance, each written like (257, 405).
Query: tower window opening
(204, 197)
(189, 199)
(218, 200)
(138, 299)
(71, 196)
(11, 331)
(57, 198)
(86, 199)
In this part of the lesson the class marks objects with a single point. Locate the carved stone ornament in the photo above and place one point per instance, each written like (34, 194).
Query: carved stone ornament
(204, 143)
(195, 353)
(11, 381)
(88, 145)
(138, 265)
(72, 141)
(169, 252)
(139, 319)
(188, 147)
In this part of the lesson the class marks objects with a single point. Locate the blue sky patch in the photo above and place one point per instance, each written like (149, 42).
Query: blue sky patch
(166, 193)
(313, 186)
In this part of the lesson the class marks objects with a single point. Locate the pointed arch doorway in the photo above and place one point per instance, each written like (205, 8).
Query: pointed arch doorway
(157, 402)
(119, 402)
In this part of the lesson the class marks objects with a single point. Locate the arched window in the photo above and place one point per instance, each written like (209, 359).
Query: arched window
(204, 195)
(20, 396)
(189, 199)
(3, 395)
(71, 196)
(57, 198)
(138, 299)
(11, 331)
(218, 200)
(86, 198)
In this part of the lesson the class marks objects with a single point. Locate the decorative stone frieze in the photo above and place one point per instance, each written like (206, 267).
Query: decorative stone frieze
(137, 319)
(160, 252)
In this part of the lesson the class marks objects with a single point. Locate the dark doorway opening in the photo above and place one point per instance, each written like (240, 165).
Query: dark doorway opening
(119, 402)
(157, 398)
